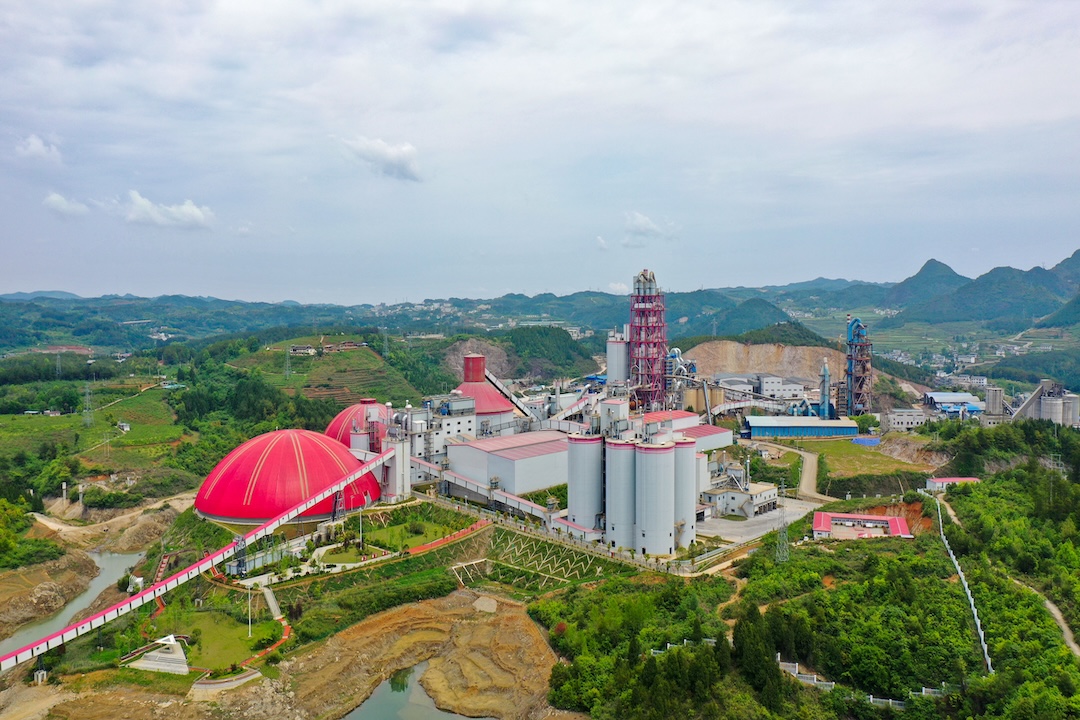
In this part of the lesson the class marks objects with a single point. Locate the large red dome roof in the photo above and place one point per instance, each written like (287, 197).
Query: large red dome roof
(271, 473)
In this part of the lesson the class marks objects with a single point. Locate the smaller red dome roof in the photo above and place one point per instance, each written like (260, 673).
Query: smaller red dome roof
(355, 416)
(271, 473)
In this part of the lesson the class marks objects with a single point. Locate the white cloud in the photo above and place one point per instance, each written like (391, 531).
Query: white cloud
(186, 215)
(35, 147)
(396, 161)
(619, 288)
(601, 243)
(640, 229)
(61, 205)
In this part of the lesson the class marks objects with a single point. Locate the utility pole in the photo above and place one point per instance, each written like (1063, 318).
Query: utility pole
(88, 407)
(783, 550)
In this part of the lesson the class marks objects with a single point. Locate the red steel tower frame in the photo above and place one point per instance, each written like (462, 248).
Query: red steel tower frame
(648, 341)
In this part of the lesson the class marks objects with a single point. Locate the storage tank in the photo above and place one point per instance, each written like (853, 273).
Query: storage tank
(618, 360)
(585, 489)
(621, 483)
(685, 492)
(1071, 410)
(655, 506)
(995, 401)
(1052, 409)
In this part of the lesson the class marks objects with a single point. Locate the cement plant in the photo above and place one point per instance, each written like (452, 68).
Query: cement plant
(466, 502)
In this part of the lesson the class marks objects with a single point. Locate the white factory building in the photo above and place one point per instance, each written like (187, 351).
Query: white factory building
(517, 464)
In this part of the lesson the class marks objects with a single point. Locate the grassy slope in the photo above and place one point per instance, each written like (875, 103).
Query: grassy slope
(846, 458)
(344, 376)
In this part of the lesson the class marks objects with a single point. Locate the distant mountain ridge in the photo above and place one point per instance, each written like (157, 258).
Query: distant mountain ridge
(55, 294)
(934, 279)
(1004, 296)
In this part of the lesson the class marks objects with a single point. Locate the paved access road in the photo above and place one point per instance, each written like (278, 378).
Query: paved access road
(808, 480)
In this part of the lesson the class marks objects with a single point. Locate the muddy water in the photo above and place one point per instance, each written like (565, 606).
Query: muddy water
(401, 698)
(112, 565)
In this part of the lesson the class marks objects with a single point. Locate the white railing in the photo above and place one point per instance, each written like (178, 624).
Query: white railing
(967, 589)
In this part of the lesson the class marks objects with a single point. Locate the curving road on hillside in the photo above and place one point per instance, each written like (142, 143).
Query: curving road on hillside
(808, 479)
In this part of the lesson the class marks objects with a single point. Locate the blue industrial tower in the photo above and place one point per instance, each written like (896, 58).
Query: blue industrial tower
(859, 375)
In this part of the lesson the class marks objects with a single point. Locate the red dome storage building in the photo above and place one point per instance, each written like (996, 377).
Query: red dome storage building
(273, 472)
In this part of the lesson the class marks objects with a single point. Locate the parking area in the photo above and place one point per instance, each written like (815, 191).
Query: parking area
(740, 531)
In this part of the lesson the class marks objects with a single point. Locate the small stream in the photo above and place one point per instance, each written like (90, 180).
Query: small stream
(402, 697)
(113, 566)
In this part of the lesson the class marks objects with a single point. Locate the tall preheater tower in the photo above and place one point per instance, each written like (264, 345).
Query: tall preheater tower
(648, 341)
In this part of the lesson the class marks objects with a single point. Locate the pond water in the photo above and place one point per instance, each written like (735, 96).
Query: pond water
(402, 697)
(113, 566)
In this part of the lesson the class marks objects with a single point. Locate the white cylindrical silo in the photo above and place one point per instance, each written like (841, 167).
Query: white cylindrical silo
(1052, 408)
(685, 492)
(1071, 410)
(621, 483)
(585, 489)
(655, 532)
(618, 362)
(995, 401)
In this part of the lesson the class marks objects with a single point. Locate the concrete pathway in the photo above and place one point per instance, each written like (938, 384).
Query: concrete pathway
(271, 602)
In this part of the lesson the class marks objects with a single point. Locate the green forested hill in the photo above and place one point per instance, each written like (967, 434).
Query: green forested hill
(1001, 294)
(933, 280)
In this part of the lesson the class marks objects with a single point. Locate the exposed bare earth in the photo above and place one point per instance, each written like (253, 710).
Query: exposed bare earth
(909, 449)
(39, 591)
(497, 360)
(784, 360)
(127, 531)
(494, 664)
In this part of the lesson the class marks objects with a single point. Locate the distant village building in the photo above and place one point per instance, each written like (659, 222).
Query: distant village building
(943, 484)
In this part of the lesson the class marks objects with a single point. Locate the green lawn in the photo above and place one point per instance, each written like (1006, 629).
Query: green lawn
(224, 640)
(392, 537)
(351, 555)
(846, 458)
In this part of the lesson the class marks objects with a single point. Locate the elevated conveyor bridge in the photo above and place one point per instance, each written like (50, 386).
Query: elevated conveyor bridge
(155, 591)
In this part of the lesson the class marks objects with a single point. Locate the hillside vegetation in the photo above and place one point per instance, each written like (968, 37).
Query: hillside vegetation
(1005, 297)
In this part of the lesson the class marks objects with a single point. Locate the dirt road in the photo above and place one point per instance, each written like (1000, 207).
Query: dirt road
(1055, 612)
(106, 535)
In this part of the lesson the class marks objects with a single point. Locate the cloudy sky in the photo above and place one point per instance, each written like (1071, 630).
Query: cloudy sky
(354, 152)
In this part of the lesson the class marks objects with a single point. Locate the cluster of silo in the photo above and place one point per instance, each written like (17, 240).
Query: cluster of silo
(1062, 409)
(646, 492)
